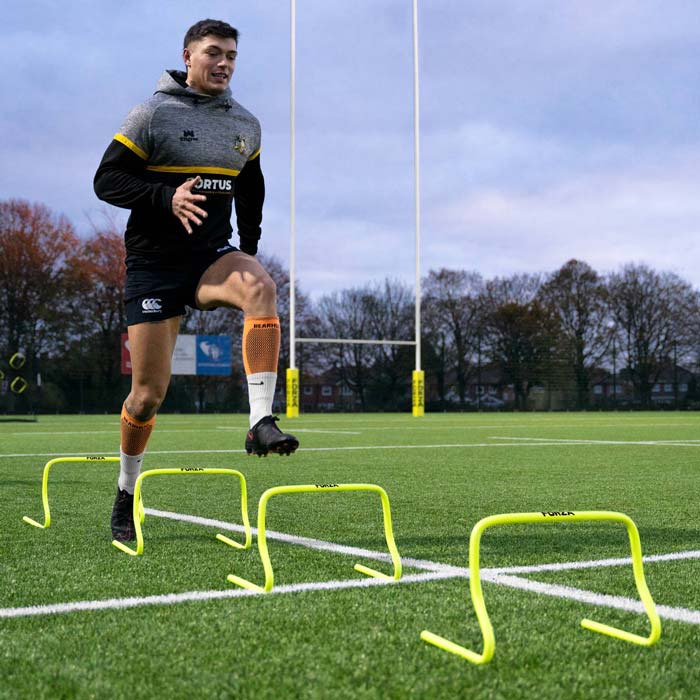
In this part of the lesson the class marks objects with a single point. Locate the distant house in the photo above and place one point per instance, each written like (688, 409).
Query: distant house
(485, 389)
(326, 392)
(672, 386)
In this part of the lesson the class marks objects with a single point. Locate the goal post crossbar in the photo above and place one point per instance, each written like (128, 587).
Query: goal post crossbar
(355, 341)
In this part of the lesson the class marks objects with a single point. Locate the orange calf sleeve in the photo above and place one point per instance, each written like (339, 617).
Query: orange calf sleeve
(261, 344)
(135, 433)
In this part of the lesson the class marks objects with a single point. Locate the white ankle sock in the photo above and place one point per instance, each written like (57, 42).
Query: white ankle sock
(261, 393)
(129, 470)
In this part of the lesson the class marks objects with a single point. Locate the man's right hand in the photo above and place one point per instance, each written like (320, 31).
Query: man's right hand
(185, 204)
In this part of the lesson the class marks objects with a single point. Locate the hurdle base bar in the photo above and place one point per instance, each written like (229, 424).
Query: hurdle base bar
(31, 521)
(453, 648)
(232, 543)
(374, 573)
(128, 550)
(248, 585)
(617, 633)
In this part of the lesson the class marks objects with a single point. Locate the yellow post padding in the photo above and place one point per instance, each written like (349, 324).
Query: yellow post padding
(418, 392)
(292, 393)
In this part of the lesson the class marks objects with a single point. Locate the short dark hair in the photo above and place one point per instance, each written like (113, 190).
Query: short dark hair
(206, 27)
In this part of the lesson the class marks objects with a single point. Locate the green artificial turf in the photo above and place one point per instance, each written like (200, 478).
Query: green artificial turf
(442, 474)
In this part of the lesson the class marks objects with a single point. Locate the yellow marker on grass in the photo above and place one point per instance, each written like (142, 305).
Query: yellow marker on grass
(193, 470)
(316, 488)
(45, 486)
(568, 516)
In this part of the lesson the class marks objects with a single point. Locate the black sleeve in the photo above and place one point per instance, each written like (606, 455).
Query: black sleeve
(249, 195)
(119, 181)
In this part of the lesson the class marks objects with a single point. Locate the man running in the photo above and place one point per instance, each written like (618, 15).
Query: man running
(179, 161)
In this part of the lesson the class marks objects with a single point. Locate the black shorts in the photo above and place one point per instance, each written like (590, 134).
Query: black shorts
(159, 287)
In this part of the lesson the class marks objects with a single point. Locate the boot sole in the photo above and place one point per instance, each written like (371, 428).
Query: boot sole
(286, 447)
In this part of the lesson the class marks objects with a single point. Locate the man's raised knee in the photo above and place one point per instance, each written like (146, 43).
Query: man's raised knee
(261, 296)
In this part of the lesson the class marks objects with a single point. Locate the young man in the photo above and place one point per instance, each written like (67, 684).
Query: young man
(179, 162)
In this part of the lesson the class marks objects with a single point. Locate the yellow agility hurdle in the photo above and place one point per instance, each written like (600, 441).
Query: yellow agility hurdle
(316, 488)
(517, 518)
(45, 487)
(187, 470)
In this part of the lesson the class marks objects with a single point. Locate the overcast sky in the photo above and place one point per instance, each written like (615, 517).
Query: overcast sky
(549, 130)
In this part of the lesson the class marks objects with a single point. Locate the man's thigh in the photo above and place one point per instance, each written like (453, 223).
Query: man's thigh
(151, 347)
(229, 280)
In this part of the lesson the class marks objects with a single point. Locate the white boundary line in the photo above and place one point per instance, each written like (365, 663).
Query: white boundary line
(352, 448)
(574, 441)
(199, 596)
(311, 543)
(691, 617)
(513, 442)
(433, 571)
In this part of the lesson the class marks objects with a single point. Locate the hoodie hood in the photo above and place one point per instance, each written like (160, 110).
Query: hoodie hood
(174, 82)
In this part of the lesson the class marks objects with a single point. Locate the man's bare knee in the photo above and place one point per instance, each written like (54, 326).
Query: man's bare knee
(143, 402)
(261, 297)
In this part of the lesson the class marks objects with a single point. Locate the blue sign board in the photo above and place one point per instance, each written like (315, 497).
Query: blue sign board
(214, 354)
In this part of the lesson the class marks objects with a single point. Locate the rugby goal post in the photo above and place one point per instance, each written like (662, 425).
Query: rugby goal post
(418, 376)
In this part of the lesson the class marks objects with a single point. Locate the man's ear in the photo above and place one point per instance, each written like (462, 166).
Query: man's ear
(186, 56)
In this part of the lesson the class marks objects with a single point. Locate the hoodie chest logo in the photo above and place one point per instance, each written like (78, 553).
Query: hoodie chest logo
(240, 145)
(214, 185)
(188, 135)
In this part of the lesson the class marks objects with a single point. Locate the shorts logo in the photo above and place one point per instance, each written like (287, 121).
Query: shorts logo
(152, 306)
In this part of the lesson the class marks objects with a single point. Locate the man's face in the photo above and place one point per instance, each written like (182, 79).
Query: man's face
(210, 63)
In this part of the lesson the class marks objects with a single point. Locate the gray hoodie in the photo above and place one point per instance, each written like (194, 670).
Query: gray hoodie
(174, 136)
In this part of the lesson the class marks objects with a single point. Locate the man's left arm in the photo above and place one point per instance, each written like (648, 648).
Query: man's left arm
(249, 195)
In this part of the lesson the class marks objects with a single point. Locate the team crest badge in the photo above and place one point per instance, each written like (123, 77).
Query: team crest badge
(240, 145)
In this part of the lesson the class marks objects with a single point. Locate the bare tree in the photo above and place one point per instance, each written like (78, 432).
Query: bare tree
(347, 314)
(577, 295)
(391, 317)
(99, 267)
(520, 332)
(451, 310)
(652, 311)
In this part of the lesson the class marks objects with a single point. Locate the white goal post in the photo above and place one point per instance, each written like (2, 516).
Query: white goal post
(418, 378)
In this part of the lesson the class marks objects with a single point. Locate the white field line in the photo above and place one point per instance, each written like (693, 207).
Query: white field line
(436, 571)
(299, 430)
(306, 449)
(513, 442)
(691, 617)
(55, 433)
(310, 542)
(323, 545)
(594, 564)
(573, 441)
(368, 427)
(199, 596)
